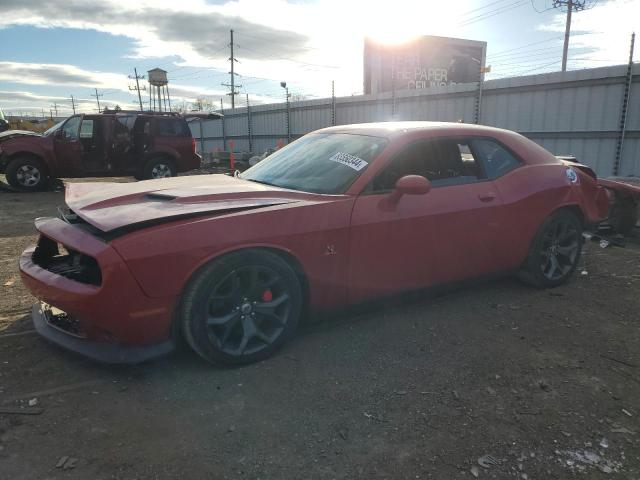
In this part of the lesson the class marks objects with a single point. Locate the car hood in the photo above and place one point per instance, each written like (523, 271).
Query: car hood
(7, 134)
(114, 206)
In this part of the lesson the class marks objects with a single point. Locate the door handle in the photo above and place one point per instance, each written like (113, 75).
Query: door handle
(487, 197)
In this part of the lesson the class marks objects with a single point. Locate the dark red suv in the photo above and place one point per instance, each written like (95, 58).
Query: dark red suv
(145, 145)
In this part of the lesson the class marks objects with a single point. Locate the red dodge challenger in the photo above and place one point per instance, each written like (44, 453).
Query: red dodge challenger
(341, 216)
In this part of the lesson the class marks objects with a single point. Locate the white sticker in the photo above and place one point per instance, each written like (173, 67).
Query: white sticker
(349, 160)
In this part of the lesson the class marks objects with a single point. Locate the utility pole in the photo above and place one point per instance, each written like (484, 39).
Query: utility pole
(571, 5)
(73, 104)
(137, 87)
(97, 99)
(55, 108)
(232, 86)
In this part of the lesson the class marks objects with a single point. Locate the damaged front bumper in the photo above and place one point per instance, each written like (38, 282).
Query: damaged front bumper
(44, 321)
(107, 315)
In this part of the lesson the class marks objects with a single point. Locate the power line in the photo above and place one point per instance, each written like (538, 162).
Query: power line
(287, 59)
(493, 13)
(483, 7)
(526, 45)
(533, 5)
(522, 55)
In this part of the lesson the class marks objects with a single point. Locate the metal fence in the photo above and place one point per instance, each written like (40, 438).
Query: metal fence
(572, 113)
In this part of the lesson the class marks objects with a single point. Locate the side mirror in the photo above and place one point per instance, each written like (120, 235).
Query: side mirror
(410, 185)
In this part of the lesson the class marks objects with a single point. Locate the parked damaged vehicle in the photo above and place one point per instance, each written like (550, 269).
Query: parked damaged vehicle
(344, 215)
(146, 145)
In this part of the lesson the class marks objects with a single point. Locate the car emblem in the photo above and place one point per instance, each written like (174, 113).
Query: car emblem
(331, 250)
(572, 175)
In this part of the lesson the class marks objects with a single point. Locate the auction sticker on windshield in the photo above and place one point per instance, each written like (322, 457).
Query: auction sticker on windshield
(349, 160)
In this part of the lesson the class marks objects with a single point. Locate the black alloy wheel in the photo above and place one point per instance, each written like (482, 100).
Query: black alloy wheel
(555, 251)
(560, 248)
(242, 307)
(248, 310)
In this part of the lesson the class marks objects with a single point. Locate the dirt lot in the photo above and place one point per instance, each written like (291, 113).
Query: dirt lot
(545, 382)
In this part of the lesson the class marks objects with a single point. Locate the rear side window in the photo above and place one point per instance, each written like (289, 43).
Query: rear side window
(122, 127)
(172, 127)
(497, 160)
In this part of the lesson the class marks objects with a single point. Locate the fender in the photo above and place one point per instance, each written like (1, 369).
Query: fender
(27, 145)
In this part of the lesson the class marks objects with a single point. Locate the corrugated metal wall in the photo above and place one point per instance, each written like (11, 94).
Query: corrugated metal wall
(572, 113)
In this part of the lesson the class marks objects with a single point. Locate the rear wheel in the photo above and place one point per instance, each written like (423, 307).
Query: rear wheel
(27, 173)
(241, 308)
(159, 167)
(555, 251)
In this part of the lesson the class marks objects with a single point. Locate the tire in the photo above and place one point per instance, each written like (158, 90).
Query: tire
(159, 167)
(27, 174)
(555, 251)
(241, 308)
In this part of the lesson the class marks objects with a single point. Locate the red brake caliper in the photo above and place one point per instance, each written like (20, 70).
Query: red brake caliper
(267, 296)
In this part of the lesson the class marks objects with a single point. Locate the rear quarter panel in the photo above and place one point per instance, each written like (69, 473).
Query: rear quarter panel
(532, 193)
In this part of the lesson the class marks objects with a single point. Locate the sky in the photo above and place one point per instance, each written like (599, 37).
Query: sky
(58, 48)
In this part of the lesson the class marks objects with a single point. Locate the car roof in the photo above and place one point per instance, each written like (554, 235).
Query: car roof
(394, 129)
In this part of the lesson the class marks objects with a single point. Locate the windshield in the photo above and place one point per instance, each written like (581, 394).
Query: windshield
(318, 162)
(53, 129)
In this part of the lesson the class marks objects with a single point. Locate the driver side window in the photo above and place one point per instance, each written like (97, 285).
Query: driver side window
(443, 162)
(70, 129)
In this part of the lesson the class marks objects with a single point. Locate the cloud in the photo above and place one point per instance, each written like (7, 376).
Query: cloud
(24, 101)
(193, 29)
(59, 74)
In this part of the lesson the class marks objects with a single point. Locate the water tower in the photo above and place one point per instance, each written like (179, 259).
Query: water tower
(159, 91)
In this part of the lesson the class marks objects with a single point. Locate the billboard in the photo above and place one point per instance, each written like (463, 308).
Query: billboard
(424, 62)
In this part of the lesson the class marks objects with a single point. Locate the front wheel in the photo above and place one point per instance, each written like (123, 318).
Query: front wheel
(555, 252)
(241, 308)
(27, 173)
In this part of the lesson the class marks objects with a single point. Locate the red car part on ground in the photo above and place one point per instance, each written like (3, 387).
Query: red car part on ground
(140, 253)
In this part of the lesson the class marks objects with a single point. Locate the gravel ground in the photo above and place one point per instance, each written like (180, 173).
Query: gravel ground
(496, 380)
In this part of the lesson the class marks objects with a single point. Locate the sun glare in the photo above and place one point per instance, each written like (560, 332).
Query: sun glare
(402, 20)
